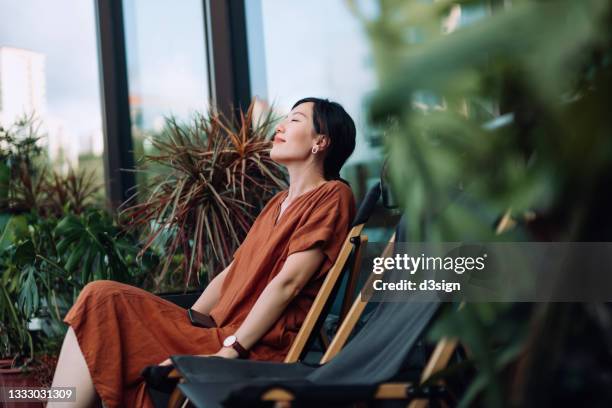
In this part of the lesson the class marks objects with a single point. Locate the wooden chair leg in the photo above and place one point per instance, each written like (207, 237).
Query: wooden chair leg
(437, 362)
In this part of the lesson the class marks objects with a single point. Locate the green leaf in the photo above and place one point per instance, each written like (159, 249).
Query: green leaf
(67, 224)
(75, 256)
(12, 228)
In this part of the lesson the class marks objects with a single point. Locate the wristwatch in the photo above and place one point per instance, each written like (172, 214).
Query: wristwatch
(232, 341)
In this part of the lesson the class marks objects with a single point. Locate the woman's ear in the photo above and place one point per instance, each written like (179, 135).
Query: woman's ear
(323, 142)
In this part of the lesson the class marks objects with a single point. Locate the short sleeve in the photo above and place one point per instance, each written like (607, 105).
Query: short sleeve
(327, 224)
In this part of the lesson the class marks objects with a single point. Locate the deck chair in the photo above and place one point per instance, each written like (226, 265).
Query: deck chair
(366, 369)
(311, 327)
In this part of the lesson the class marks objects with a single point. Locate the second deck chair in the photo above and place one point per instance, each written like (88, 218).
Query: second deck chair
(381, 352)
(156, 377)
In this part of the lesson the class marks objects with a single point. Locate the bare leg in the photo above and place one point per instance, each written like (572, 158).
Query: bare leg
(72, 371)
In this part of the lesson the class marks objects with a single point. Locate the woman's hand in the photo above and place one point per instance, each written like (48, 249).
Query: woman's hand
(225, 352)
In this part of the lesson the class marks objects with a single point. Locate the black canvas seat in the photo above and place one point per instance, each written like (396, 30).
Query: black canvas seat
(379, 353)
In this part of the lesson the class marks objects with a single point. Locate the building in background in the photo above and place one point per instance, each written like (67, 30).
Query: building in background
(23, 92)
(22, 84)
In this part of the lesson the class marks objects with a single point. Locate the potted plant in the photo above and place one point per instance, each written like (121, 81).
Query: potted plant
(217, 175)
(54, 239)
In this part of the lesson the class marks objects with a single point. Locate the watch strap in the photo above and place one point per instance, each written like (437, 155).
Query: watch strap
(242, 352)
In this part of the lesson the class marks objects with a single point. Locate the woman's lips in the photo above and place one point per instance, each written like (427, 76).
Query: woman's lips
(278, 139)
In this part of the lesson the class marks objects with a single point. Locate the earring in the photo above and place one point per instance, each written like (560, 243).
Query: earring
(314, 149)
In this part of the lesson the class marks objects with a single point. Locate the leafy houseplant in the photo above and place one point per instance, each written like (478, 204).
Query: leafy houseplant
(219, 175)
(53, 240)
(545, 70)
(44, 269)
(19, 150)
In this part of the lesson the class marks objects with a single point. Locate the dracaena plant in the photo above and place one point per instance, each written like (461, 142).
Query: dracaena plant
(28, 185)
(74, 192)
(216, 176)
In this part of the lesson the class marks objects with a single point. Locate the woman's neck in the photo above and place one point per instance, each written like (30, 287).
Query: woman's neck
(302, 181)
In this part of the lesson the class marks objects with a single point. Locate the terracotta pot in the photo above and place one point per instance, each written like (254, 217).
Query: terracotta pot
(5, 367)
(15, 378)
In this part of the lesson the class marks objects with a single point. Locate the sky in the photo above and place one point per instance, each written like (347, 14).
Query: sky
(166, 57)
(64, 31)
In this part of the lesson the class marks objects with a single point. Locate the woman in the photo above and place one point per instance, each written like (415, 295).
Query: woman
(258, 302)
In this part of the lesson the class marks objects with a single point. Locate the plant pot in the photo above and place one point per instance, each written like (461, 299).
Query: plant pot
(11, 377)
(5, 367)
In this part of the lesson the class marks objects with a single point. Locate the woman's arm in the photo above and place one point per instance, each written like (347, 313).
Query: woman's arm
(295, 273)
(209, 298)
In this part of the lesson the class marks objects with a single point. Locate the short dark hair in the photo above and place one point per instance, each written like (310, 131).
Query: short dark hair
(330, 119)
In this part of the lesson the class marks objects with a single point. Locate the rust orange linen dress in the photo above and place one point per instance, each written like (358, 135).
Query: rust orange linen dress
(121, 329)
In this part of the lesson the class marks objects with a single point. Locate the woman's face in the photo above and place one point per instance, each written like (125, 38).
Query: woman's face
(295, 135)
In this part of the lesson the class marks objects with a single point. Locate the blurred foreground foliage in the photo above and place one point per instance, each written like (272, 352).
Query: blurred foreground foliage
(505, 117)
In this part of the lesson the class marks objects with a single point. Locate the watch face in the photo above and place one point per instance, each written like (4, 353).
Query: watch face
(229, 341)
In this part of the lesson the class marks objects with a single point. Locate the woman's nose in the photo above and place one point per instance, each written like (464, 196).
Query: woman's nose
(279, 128)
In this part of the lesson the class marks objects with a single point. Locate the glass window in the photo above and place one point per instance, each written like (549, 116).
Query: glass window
(49, 68)
(315, 48)
(167, 71)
